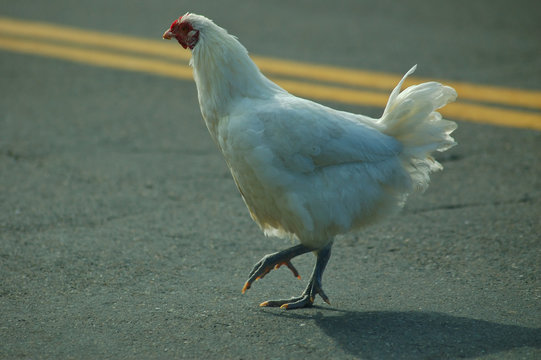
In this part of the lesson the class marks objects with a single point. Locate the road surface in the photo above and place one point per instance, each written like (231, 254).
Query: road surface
(122, 233)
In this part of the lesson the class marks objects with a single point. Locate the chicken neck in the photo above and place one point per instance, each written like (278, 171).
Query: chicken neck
(225, 74)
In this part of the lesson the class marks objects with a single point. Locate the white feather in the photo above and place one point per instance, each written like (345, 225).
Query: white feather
(305, 170)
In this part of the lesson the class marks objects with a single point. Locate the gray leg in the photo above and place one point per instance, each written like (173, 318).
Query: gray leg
(314, 285)
(274, 261)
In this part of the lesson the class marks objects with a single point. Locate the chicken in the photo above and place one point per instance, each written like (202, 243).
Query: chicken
(304, 170)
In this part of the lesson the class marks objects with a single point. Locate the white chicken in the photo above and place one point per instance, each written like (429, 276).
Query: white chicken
(305, 170)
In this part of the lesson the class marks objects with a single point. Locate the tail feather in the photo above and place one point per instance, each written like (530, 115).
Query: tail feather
(411, 117)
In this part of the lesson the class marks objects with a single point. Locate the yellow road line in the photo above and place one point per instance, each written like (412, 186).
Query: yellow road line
(459, 110)
(382, 81)
(160, 66)
(353, 77)
(492, 115)
(40, 30)
(97, 58)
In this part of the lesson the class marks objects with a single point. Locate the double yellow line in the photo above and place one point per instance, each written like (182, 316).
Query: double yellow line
(477, 103)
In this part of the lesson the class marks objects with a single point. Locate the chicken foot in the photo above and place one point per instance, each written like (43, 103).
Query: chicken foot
(274, 261)
(283, 258)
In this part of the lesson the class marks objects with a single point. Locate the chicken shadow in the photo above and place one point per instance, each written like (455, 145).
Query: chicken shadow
(420, 335)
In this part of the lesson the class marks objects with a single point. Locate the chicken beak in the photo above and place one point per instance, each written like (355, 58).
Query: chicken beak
(168, 34)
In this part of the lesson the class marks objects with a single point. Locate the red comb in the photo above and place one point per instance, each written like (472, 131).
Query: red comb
(178, 20)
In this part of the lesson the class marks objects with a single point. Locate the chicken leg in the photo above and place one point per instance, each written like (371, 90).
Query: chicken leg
(275, 260)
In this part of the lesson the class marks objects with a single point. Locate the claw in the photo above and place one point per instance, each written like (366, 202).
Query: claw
(292, 268)
(294, 303)
(324, 296)
(270, 262)
(248, 283)
(297, 303)
(327, 301)
(305, 300)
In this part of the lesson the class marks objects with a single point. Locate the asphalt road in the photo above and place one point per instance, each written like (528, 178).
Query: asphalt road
(123, 236)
